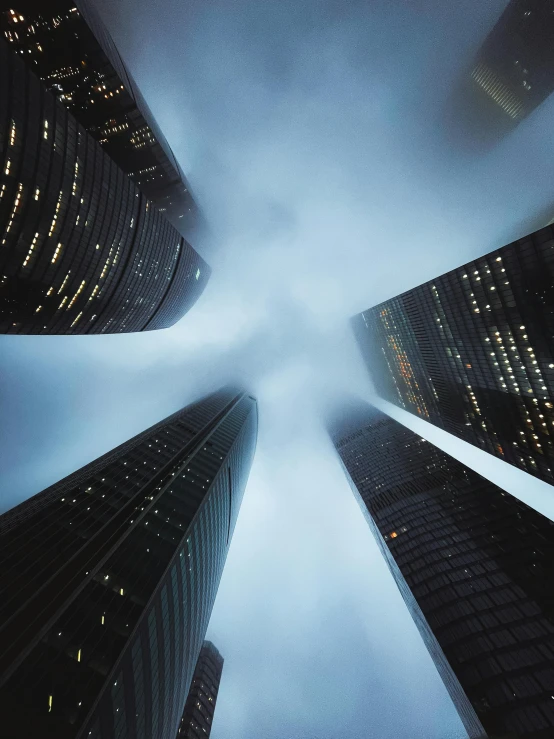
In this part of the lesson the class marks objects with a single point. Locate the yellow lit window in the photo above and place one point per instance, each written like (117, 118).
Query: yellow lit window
(93, 293)
(75, 321)
(79, 290)
(66, 278)
(57, 253)
(33, 244)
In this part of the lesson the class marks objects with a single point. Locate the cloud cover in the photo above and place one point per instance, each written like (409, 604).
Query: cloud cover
(313, 135)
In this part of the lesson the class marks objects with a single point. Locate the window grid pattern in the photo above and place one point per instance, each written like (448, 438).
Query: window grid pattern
(197, 718)
(477, 343)
(473, 565)
(82, 249)
(511, 74)
(514, 66)
(155, 589)
(70, 49)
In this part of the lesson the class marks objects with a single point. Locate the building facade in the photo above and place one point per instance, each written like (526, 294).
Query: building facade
(515, 65)
(472, 352)
(473, 565)
(68, 46)
(511, 75)
(109, 576)
(196, 722)
(82, 250)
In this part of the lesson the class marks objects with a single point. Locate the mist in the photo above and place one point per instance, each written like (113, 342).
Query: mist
(313, 135)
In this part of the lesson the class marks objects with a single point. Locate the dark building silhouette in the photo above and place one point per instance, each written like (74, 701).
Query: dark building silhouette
(474, 566)
(68, 46)
(109, 576)
(472, 352)
(512, 74)
(82, 250)
(198, 715)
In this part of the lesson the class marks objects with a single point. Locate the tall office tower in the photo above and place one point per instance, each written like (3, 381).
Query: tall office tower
(472, 352)
(82, 250)
(109, 576)
(474, 566)
(68, 46)
(513, 71)
(196, 722)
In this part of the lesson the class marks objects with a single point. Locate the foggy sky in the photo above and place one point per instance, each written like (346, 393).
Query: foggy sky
(312, 136)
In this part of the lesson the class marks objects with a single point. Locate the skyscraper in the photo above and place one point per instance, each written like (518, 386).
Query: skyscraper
(82, 250)
(474, 566)
(108, 578)
(68, 46)
(513, 71)
(472, 352)
(196, 722)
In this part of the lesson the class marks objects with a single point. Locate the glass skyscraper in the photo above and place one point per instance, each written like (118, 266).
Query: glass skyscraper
(472, 352)
(512, 73)
(82, 250)
(196, 722)
(68, 46)
(515, 64)
(109, 576)
(473, 564)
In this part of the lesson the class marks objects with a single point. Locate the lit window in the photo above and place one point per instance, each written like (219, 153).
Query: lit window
(56, 253)
(33, 244)
(76, 319)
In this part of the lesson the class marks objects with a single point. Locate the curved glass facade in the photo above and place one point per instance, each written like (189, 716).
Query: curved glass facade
(473, 565)
(71, 50)
(196, 722)
(110, 576)
(82, 249)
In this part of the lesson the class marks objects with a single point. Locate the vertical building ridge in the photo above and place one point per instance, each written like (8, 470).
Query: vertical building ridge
(109, 577)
